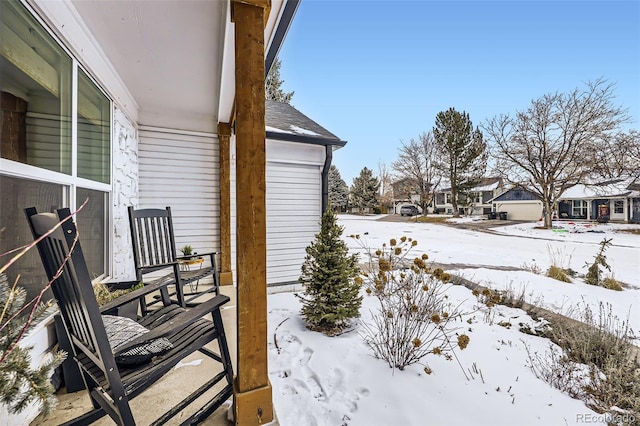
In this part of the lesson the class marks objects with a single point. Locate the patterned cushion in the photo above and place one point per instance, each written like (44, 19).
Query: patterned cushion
(121, 330)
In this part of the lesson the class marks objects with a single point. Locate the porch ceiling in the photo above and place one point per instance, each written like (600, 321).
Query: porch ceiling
(171, 56)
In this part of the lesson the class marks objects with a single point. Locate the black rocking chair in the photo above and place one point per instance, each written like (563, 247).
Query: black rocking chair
(156, 260)
(170, 333)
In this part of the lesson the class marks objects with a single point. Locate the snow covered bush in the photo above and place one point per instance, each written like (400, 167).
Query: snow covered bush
(414, 317)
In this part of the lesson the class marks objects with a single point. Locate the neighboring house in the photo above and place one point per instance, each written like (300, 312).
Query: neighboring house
(478, 201)
(616, 200)
(518, 203)
(149, 104)
(299, 153)
(405, 191)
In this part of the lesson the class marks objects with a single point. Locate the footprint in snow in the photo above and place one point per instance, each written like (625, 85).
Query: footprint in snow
(305, 356)
(313, 382)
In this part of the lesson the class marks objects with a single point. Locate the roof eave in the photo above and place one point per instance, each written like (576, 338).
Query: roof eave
(312, 140)
(284, 23)
(596, 196)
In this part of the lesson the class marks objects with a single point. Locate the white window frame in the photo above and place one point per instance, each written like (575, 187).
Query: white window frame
(70, 181)
(579, 208)
(616, 204)
(447, 198)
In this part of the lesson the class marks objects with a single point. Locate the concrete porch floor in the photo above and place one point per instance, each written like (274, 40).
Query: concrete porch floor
(186, 376)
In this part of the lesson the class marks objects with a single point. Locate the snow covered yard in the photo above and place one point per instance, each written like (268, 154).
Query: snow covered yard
(319, 380)
(504, 259)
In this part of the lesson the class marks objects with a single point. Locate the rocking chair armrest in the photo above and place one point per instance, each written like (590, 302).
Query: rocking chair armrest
(179, 322)
(210, 254)
(156, 266)
(133, 295)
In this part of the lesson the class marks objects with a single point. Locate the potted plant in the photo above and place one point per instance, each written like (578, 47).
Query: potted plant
(187, 251)
(190, 257)
(106, 292)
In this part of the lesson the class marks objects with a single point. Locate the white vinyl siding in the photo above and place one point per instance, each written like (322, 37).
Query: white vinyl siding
(181, 170)
(293, 216)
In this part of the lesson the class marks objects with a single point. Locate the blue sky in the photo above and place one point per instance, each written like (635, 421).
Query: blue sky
(377, 72)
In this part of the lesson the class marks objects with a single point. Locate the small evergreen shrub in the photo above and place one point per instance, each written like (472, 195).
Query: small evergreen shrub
(20, 383)
(331, 295)
(595, 275)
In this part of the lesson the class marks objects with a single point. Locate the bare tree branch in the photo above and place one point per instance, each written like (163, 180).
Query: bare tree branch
(419, 161)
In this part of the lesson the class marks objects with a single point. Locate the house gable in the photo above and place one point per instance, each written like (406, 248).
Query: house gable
(516, 194)
(299, 153)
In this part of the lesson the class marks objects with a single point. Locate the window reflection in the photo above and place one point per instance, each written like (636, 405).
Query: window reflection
(35, 86)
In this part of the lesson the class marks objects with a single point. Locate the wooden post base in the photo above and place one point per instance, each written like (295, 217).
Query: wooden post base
(226, 278)
(253, 407)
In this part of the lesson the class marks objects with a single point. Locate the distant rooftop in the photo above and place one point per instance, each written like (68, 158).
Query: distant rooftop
(612, 188)
(485, 184)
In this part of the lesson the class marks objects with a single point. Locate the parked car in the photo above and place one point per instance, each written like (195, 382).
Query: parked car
(408, 210)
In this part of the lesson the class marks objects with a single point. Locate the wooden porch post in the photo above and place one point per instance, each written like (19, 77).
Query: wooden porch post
(253, 403)
(224, 138)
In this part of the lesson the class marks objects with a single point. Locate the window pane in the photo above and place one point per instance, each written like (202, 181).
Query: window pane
(92, 223)
(618, 206)
(16, 195)
(35, 84)
(94, 138)
(579, 209)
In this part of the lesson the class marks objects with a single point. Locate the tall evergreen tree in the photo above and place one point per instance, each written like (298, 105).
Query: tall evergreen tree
(464, 152)
(273, 85)
(364, 191)
(332, 294)
(338, 189)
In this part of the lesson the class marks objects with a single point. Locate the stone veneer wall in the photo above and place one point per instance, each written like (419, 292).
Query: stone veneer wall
(125, 193)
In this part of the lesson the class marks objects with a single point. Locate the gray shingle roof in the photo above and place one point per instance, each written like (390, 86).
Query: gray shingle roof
(284, 122)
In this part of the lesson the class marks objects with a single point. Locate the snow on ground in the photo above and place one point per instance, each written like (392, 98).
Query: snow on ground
(518, 247)
(319, 380)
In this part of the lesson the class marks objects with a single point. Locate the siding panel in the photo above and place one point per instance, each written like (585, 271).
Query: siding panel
(293, 216)
(182, 171)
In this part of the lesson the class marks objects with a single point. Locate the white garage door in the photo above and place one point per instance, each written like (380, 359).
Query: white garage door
(521, 210)
(293, 216)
